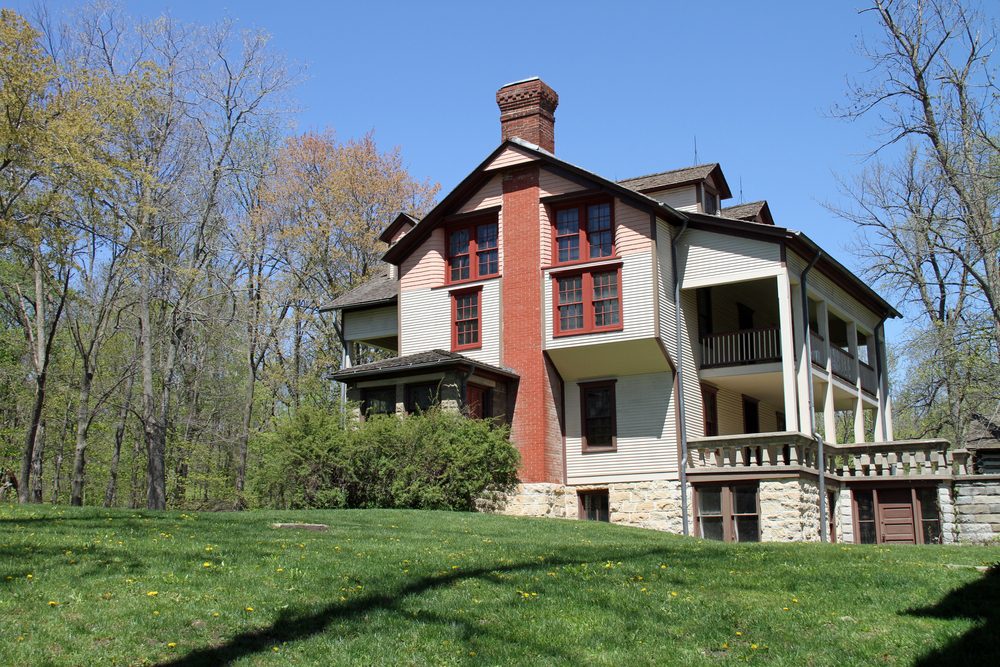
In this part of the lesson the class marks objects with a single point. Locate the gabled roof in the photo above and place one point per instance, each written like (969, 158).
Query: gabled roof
(749, 212)
(479, 176)
(378, 290)
(668, 179)
(401, 219)
(421, 361)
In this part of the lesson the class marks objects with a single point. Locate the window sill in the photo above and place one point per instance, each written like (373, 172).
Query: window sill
(471, 282)
(599, 450)
(587, 332)
(467, 348)
(583, 264)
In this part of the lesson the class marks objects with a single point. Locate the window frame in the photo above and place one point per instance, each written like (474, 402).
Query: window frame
(709, 391)
(727, 507)
(366, 391)
(584, 387)
(411, 389)
(587, 288)
(471, 227)
(582, 233)
(593, 493)
(455, 295)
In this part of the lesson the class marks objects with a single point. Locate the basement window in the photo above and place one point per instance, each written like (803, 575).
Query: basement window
(728, 513)
(594, 505)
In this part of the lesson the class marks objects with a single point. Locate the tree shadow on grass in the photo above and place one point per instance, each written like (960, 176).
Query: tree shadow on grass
(291, 626)
(978, 601)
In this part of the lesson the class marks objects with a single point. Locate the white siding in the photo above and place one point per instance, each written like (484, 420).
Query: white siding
(372, 323)
(708, 258)
(647, 443)
(730, 413)
(665, 283)
(426, 318)
(835, 295)
(694, 421)
(683, 199)
(510, 157)
(637, 306)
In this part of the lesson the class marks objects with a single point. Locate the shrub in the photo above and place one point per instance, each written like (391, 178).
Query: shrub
(437, 460)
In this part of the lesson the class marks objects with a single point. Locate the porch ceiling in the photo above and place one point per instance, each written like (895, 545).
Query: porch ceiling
(764, 385)
(633, 357)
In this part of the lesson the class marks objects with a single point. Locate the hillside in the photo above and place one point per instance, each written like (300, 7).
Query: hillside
(87, 586)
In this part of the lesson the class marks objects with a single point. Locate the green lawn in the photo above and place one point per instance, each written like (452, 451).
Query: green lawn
(95, 587)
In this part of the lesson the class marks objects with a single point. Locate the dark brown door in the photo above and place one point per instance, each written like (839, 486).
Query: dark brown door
(475, 400)
(895, 513)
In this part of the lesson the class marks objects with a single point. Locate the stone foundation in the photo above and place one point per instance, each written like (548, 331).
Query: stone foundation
(977, 509)
(789, 510)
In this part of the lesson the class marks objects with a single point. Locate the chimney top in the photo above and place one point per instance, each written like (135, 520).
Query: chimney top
(527, 111)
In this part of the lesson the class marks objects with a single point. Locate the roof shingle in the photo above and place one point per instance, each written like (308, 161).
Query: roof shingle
(378, 289)
(665, 179)
(420, 360)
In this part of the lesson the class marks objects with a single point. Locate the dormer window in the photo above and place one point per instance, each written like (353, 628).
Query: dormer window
(473, 252)
(709, 201)
(583, 232)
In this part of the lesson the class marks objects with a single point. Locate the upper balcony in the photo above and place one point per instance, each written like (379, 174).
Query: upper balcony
(738, 324)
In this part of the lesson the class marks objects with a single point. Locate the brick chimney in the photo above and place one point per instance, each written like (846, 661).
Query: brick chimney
(527, 110)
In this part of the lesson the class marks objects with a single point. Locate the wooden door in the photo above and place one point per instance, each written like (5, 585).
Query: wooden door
(475, 399)
(895, 515)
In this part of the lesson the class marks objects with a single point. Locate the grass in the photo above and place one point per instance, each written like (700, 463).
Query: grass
(87, 586)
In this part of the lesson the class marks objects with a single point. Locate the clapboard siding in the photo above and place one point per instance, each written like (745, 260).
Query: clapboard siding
(637, 306)
(730, 409)
(709, 258)
(510, 157)
(694, 421)
(632, 233)
(426, 318)
(424, 267)
(647, 443)
(370, 323)
(683, 199)
(835, 295)
(550, 184)
(488, 196)
(665, 283)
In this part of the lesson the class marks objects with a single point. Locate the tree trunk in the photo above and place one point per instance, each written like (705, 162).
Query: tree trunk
(241, 468)
(82, 426)
(153, 431)
(28, 453)
(112, 491)
(36, 463)
(57, 475)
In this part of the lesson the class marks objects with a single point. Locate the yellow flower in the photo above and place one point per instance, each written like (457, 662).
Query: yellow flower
(215, 614)
(725, 645)
(673, 594)
(795, 600)
(152, 594)
(753, 647)
(784, 609)
(30, 576)
(53, 603)
(206, 564)
(739, 634)
(156, 613)
(249, 609)
(280, 569)
(274, 648)
(172, 645)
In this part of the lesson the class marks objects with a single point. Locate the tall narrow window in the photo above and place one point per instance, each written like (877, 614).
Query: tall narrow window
(583, 232)
(473, 252)
(704, 298)
(466, 319)
(606, 300)
(597, 408)
(710, 518)
(930, 515)
(865, 504)
(710, 409)
(570, 303)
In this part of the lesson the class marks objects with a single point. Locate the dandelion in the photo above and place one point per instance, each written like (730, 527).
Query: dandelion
(784, 609)
(206, 564)
(280, 569)
(673, 594)
(208, 548)
(53, 603)
(171, 644)
(725, 646)
(30, 576)
(248, 610)
(274, 648)
(753, 647)
(795, 600)
(739, 634)
(156, 613)
(152, 594)
(215, 614)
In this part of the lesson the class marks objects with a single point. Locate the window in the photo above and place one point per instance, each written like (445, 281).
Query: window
(704, 298)
(597, 412)
(583, 232)
(930, 515)
(473, 252)
(751, 415)
(728, 513)
(865, 507)
(588, 301)
(594, 505)
(378, 401)
(421, 397)
(710, 409)
(710, 201)
(466, 319)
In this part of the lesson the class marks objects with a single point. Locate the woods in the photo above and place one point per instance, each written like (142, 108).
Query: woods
(165, 243)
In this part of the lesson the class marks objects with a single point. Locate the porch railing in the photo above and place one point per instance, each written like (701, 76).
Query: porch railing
(817, 349)
(773, 452)
(843, 364)
(737, 348)
(869, 379)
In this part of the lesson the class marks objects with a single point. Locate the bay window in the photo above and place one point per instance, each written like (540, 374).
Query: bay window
(588, 301)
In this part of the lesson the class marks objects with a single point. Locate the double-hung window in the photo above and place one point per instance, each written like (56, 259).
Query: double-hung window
(599, 423)
(588, 301)
(728, 513)
(473, 251)
(466, 314)
(583, 232)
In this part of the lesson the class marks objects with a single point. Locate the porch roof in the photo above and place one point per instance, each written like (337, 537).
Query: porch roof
(419, 362)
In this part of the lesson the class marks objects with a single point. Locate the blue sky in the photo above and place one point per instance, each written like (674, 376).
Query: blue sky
(638, 83)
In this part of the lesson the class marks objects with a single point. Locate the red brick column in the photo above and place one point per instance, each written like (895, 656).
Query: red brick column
(535, 425)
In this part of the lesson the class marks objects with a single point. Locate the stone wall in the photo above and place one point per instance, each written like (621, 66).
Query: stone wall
(977, 508)
(789, 510)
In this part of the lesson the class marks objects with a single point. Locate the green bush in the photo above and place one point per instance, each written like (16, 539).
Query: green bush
(437, 460)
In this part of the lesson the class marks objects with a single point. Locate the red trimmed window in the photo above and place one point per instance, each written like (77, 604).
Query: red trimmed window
(473, 252)
(583, 232)
(588, 301)
(466, 319)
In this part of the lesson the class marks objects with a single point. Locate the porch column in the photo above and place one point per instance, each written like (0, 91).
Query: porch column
(829, 415)
(787, 351)
(883, 421)
(804, 367)
(859, 405)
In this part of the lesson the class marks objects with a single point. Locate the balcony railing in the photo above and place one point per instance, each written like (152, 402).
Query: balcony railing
(817, 349)
(738, 348)
(768, 452)
(843, 364)
(869, 379)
